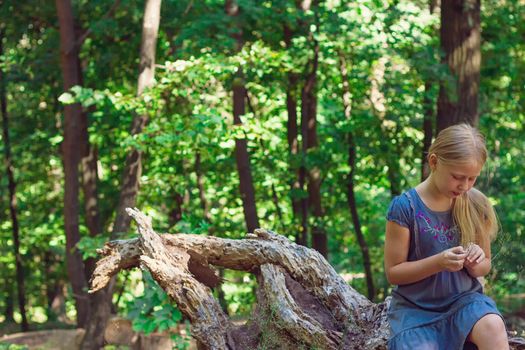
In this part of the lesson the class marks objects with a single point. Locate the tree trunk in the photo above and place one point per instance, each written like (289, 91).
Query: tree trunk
(133, 169)
(378, 104)
(205, 205)
(310, 143)
(460, 41)
(101, 301)
(89, 185)
(175, 210)
(301, 301)
(428, 131)
(292, 137)
(11, 184)
(56, 300)
(9, 310)
(242, 156)
(347, 105)
(71, 150)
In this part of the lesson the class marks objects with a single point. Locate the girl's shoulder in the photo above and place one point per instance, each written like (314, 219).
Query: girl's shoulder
(404, 200)
(401, 210)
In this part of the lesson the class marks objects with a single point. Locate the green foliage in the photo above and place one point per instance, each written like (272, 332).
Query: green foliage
(7, 346)
(154, 312)
(88, 245)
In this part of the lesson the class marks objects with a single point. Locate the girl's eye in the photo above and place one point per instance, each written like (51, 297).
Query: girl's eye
(456, 177)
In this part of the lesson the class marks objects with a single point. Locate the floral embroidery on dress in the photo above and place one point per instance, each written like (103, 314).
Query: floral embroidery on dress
(440, 232)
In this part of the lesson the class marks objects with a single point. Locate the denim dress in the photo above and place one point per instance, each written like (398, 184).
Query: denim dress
(438, 312)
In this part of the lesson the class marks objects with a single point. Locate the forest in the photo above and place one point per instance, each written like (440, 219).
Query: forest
(293, 121)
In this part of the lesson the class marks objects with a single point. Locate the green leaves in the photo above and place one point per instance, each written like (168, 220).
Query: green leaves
(153, 311)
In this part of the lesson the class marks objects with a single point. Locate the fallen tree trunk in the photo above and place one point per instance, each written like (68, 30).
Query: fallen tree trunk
(301, 301)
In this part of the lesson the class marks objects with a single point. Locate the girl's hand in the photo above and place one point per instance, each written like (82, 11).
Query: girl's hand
(453, 259)
(475, 255)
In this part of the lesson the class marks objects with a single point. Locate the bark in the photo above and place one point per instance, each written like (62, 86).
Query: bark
(352, 154)
(242, 156)
(71, 150)
(301, 301)
(460, 41)
(101, 301)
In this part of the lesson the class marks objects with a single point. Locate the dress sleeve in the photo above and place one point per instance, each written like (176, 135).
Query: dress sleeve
(399, 211)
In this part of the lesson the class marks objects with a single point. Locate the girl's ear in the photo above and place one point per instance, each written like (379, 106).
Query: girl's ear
(432, 161)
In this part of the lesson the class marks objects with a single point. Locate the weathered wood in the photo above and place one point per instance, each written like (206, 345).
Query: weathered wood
(301, 300)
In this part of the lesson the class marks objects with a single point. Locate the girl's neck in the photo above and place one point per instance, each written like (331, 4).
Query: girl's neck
(432, 197)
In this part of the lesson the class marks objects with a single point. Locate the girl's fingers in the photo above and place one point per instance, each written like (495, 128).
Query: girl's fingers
(475, 257)
(472, 254)
(476, 254)
(481, 257)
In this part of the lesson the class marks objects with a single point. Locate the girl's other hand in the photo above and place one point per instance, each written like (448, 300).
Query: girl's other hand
(453, 259)
(475, 255)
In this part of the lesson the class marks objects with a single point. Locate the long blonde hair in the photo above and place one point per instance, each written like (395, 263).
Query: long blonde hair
(472, 211)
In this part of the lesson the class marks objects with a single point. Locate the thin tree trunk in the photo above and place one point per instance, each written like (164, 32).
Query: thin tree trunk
(101, 300)
(71, 154)
(393, 174)
(175, 212)
(12, 196)
(56, 307)
(9, 310)
(133, 170)
(377, 100)
(292, 137)
(347, 105)
(460, 41)
(205, 205)
(427, 130)
(89, 186)
(309, 136)
(242, 156)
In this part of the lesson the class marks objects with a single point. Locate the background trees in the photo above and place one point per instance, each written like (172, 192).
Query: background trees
(368, 77)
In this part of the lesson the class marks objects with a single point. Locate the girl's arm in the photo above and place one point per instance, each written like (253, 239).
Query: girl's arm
(400, 271)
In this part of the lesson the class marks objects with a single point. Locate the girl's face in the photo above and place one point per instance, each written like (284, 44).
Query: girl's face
(454, 180)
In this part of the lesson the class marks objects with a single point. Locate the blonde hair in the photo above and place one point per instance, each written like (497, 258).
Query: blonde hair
(472, 211)
(476, 218)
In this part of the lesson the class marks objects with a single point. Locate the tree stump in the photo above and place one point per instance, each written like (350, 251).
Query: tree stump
(301, 301)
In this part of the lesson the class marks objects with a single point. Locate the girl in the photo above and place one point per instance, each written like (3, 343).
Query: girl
(437, 244)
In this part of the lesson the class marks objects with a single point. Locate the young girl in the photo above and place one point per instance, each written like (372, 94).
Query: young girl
(437, 244)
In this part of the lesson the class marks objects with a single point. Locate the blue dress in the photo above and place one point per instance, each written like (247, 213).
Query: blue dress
(438, 312)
